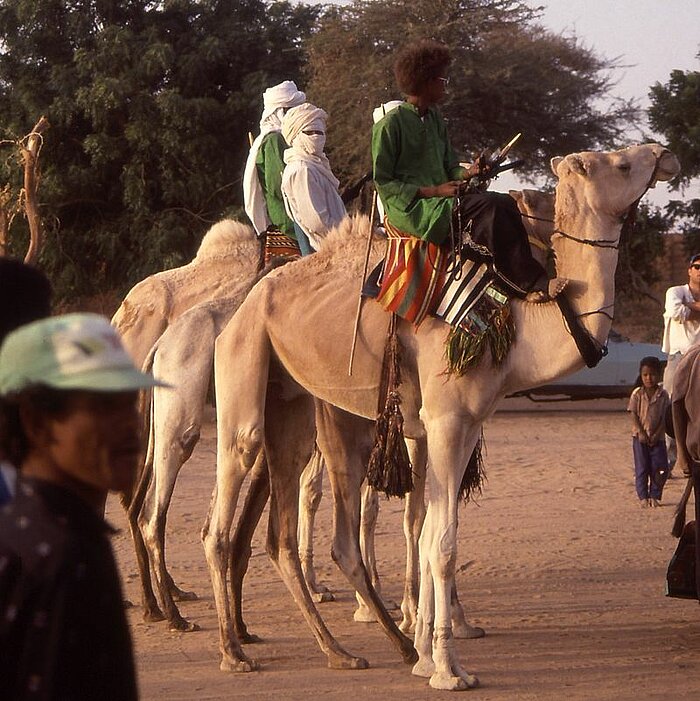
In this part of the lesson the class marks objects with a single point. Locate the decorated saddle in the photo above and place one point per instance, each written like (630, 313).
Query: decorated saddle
(419, 278)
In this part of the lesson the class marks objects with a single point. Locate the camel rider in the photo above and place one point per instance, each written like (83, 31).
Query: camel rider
(262, 178)
(309, 188)
(417, 175)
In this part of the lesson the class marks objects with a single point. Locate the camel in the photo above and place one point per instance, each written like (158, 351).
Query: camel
(174, 428)
(152, 304)
(280, 353)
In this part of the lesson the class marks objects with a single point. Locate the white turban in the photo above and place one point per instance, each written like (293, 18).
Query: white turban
(305, 116)
(284, 96)
(381, 111)
(275, 100)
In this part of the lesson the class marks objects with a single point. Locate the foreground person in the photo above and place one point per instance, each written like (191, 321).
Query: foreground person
(68, 419)
(418, 176)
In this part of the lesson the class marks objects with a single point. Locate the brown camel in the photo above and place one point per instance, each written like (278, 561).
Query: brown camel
(289, 342)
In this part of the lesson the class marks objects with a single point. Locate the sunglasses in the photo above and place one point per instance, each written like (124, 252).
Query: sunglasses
(446, 81)
(312, 132)
(695, 266)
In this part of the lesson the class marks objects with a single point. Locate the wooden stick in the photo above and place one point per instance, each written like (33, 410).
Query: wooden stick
(362, 283)
(30, 159)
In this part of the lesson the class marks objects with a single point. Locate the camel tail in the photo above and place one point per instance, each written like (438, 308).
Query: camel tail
(680, 516)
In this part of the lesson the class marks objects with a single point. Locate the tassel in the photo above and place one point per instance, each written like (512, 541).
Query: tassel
(389, 469)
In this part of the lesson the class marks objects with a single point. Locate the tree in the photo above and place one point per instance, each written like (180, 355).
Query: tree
(675, 113)
(508, 75)
(150, 104)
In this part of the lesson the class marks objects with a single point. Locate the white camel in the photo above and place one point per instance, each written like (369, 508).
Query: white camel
(229, 252)
(279, 351)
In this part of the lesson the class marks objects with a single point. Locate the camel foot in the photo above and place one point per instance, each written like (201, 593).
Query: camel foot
(467, 632)
(424, 668)
(337, 661)
(153, 615)
(182, 625)
(471, 680)
(407, 625)
(364, 615)
(447, 682)
(238, 666)
(409, 654)
(250, 639)
(180, 595)
(321, 597)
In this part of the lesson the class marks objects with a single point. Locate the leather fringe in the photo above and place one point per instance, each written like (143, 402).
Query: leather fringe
(474, 476)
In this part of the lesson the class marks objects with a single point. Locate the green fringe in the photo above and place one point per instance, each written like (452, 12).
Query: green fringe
(464, 350)
(474, 475)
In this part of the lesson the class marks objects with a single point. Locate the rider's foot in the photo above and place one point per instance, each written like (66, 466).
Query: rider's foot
(555, 287)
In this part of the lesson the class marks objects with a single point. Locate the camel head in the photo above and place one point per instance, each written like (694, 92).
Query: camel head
(608, 182)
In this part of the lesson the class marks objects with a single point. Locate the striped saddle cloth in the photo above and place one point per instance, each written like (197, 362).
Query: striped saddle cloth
(420, 279)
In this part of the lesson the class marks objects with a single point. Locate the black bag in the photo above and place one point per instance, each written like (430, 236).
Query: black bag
(680, 578)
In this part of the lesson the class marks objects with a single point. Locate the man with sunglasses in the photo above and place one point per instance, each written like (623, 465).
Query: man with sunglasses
(681, 325)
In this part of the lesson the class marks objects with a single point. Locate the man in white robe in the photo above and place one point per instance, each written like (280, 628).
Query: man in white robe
(309, 187)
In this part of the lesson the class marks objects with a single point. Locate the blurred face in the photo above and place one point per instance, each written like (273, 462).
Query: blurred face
(650, 377)
(95, 442)
(694, 272)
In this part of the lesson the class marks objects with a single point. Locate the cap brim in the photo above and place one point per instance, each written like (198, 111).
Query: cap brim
(115, 380)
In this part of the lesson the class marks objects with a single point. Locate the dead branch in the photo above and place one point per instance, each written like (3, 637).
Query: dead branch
(30, 147)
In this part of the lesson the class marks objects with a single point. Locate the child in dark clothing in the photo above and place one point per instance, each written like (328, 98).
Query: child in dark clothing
(647, 405)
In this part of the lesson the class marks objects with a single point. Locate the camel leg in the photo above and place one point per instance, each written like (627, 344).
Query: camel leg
(234, 459)
(167, 464)
(241, 550)
(132, 504)
(310, 493)
(413, 517)
(289, 444)
(345, 441)
(369, 512)
(449, 440)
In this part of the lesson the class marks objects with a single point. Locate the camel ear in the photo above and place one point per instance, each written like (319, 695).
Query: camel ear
(577, 165)
(554, 163)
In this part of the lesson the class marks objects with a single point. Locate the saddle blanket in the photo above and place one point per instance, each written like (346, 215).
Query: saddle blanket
(418, 279)
(280, 245)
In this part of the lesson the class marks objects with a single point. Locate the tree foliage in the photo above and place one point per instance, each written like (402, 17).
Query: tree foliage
(508, 75)
(150, 104)
(675, 113)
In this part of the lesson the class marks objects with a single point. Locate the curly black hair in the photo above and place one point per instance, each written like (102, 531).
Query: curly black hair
(419, 63)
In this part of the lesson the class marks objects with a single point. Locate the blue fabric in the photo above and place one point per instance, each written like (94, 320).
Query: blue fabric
(303, 241)
(650, 468)
(5, 494)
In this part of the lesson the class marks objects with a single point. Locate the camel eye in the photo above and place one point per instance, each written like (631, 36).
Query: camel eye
(624, 167)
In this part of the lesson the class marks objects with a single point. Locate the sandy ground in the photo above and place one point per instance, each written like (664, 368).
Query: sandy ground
(556, 561)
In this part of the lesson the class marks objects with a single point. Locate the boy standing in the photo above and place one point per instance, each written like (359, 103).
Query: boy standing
(648, 405)
(68, 418)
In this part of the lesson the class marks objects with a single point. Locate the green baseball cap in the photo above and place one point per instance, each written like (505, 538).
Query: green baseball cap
(73, 351)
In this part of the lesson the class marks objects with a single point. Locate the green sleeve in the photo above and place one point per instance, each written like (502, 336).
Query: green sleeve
(270, 163)
(385, 145)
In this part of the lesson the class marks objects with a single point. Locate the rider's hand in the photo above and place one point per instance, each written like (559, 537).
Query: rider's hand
(448, 189)
(471, 169)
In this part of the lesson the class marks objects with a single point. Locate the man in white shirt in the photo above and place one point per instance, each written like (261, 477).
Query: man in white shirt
(681, 325)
